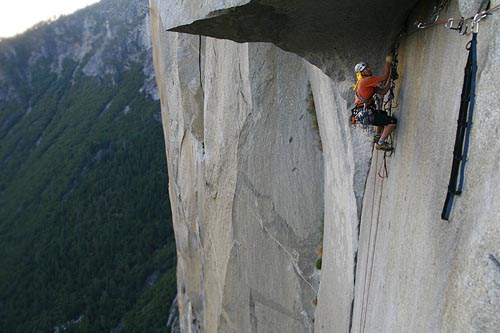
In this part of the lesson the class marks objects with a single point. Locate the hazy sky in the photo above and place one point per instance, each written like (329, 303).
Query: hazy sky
(18, 15)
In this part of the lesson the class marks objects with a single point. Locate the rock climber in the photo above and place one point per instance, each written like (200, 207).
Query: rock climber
(366, 111)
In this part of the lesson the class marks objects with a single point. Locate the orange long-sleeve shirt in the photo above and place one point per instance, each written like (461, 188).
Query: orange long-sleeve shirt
(366, 89)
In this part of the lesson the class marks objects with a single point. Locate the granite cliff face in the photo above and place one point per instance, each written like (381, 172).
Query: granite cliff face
(84, 232)
(264, 168)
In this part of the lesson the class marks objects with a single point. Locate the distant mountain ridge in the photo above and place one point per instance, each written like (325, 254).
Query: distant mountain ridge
(94, 38)
(85, 230)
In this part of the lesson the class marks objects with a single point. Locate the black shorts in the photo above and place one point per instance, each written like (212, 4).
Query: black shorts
(380, 118)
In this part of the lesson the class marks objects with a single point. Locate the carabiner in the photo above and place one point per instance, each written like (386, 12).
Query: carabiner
(477, 18)
(449, 24)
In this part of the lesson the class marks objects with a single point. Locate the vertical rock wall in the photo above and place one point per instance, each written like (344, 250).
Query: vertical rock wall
(345, 174)
(246, 178)
(264, 166)
(416, 272)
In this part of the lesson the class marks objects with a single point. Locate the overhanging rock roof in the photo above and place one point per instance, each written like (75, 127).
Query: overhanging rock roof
(330, 34)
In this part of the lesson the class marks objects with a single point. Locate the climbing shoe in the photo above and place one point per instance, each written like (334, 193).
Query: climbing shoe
(384, 146)
(376, 138)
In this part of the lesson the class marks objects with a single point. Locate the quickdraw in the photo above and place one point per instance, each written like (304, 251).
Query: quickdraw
(461, 23)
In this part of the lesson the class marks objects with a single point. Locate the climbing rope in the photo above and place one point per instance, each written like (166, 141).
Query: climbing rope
(460, 24)
(388, 105)
(381, 172)
(372, 242)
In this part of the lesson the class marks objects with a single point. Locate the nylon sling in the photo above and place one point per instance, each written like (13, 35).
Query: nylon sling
(464, 124)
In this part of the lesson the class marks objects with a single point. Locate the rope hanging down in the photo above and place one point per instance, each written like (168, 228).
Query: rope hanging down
(463, 128)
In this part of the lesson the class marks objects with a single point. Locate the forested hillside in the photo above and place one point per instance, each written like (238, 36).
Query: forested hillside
(85, 230)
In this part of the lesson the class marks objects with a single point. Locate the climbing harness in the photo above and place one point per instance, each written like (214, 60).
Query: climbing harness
(464, 122)
(363, 115)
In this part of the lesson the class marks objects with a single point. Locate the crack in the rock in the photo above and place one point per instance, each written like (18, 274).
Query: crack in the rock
(293, 258)
(495, 261)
